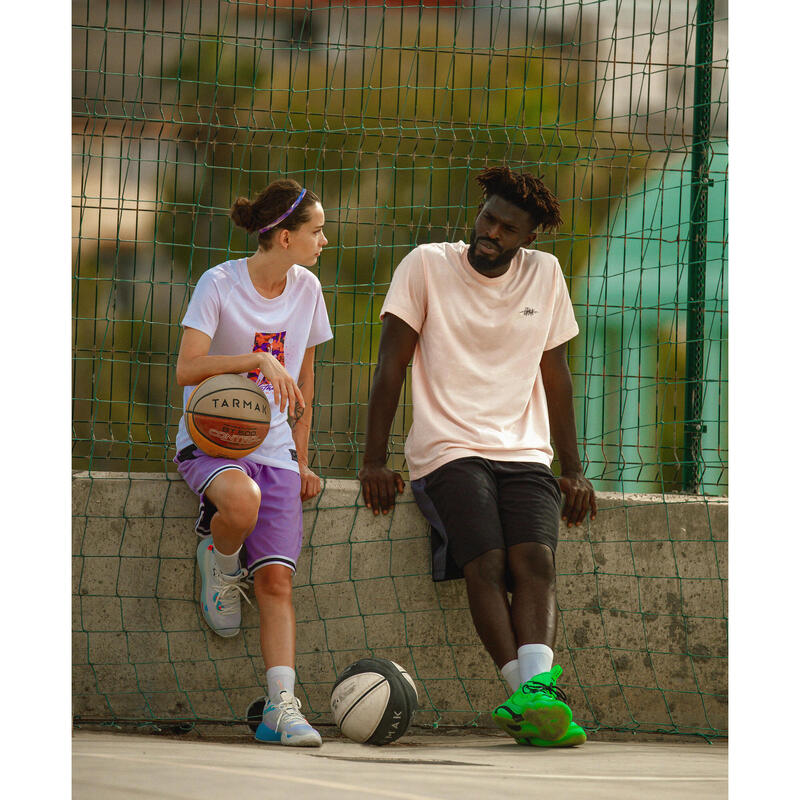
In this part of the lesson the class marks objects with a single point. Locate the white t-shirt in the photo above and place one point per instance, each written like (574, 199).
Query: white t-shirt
(475, 378)
(227, 307)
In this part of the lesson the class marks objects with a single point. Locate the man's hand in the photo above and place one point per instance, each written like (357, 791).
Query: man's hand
(380, 486)
(310, 484)
(578, 498)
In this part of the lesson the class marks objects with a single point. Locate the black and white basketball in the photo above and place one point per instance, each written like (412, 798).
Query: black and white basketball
(373, 701)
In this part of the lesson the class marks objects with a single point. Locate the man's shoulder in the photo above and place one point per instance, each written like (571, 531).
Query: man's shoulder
(441, 249)
(540, 257)
(433, 253)
(540, 263)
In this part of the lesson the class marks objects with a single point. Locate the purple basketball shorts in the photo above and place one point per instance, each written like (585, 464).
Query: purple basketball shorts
(278, 534)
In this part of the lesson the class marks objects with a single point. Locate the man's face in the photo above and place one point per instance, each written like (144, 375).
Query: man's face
(500, 229)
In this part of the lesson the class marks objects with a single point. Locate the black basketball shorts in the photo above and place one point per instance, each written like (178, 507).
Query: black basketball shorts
(474, 505)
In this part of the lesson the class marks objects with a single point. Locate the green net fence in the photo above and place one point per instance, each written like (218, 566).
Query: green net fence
(387, 110)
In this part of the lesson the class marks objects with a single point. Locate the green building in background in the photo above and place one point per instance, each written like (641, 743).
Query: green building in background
(629, 362)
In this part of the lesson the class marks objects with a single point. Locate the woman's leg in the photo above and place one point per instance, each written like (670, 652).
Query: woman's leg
(273, 590)
(282, 721)
(237, 498)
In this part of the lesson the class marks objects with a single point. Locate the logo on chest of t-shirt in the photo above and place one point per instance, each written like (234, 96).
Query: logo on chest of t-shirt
(274, 344)
(528, 311)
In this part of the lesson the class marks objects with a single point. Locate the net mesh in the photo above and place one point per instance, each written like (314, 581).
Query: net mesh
(387, 111)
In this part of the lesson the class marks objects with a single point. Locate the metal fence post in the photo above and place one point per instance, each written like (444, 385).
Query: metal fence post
(695, 301)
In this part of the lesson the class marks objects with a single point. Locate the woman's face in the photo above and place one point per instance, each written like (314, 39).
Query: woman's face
(306, 243)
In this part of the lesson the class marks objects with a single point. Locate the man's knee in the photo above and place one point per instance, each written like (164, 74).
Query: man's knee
(532, 561)
(487, 570)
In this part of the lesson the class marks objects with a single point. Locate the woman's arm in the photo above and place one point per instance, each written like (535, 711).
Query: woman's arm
(195, 365)
(301, 430)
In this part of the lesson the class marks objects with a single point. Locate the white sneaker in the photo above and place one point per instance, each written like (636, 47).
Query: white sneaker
(284, 724)
(220, 595)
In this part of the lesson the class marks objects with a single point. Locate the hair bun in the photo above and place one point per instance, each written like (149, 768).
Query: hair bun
(242, 214)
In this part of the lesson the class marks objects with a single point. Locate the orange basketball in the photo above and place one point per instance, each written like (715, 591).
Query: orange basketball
(227, 416)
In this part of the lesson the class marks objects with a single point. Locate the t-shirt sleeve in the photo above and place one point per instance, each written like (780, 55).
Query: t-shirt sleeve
(407, 297)
(320, 325)
(563, 325)
(204, 307)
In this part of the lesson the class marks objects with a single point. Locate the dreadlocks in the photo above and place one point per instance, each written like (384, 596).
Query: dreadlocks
(523, 190)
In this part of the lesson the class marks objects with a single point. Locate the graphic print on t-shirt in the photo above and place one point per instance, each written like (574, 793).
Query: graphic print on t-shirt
(272, 343)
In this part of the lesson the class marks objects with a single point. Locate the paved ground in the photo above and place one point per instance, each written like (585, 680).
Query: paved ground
(113, 766)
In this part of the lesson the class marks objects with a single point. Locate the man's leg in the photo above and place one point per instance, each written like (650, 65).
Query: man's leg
(529, 507)
(459, 499)
(488, 604)
(533, 604)
(529, 501)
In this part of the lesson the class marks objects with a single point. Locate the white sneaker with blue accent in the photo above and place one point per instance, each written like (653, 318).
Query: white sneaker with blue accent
(220, 595)
(284, 724)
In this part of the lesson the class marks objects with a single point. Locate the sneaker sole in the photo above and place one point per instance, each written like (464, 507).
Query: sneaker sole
(266, 735)
(575, 740)
(551, 720)
(513, 727)
(547, 722)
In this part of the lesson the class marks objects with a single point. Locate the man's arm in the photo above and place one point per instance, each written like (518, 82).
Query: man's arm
(380, 484)
(578, 491)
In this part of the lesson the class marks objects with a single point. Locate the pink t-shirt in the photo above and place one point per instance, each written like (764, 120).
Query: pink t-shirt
(475, 379)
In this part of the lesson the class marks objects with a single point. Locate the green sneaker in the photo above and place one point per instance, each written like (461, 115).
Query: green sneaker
(574, 736)
(537, 710)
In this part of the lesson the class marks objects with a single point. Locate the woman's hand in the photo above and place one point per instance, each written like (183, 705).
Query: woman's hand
(310, 484)
(287, 392)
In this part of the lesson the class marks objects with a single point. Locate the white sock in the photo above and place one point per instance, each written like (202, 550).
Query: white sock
(533, 659)
(228, 565)
(510, 672)
(279, 679)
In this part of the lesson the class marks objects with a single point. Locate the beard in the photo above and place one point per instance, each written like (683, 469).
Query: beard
(486, 263)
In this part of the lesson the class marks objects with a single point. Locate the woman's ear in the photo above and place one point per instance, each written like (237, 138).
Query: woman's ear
(283, 238)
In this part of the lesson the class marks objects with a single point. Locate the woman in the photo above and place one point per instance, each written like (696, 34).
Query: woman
(261, 316)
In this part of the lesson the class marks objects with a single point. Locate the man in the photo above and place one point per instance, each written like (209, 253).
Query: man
(488, 326)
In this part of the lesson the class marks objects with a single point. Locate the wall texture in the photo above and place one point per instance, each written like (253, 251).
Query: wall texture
(642, 595)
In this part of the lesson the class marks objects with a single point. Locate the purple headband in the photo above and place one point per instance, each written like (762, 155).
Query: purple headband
(285, 214)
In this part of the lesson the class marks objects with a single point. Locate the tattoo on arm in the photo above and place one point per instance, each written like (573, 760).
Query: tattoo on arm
(298, 412)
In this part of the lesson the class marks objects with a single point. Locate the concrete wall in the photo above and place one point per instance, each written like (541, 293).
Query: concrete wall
(642, 593)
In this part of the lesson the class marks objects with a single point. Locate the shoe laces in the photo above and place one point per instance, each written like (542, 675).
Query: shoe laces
(227, 587)
(534, 687)
(289, 709)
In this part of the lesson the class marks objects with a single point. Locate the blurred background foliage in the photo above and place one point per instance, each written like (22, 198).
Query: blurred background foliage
(388, 111)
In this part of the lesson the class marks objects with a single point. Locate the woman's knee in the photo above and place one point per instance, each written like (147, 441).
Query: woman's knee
(273, 583)
(238, 499)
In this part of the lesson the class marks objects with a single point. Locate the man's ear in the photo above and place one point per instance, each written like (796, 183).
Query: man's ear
(531, 238)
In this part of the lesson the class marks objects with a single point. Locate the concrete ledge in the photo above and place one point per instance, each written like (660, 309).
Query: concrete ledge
(642, 595)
